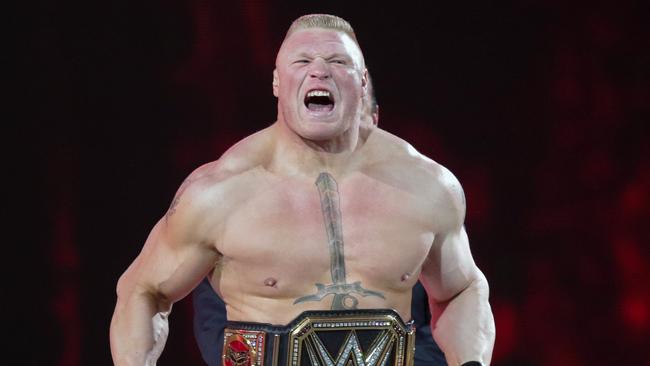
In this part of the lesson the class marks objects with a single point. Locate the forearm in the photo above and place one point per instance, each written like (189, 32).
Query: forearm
(138, 330)
(464, 326)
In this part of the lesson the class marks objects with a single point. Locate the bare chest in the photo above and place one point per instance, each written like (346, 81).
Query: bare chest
(300, 234)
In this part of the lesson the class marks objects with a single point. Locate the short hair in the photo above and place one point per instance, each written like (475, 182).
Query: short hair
(325, 21)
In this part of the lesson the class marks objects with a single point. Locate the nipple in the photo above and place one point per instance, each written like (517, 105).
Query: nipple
(270, 282)
(405, 276)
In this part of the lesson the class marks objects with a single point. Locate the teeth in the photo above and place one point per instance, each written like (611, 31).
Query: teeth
(318, 93)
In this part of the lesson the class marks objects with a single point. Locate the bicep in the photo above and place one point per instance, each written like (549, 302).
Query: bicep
(168, 267)
(449, 267)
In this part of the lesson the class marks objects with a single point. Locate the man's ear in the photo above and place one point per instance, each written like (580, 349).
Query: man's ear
(276, 82)
(375, 116)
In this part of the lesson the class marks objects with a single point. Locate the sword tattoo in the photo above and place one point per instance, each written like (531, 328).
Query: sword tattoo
(342, 291)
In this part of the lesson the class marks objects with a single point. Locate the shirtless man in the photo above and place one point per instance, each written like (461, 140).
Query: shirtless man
(210, 310)
(316, 212)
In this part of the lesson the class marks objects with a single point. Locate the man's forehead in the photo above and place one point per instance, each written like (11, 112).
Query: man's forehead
(320, 39)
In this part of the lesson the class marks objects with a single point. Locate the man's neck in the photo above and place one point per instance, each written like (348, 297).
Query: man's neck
(297, 156)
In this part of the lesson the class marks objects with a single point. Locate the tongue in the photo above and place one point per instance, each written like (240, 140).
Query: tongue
(319, 107)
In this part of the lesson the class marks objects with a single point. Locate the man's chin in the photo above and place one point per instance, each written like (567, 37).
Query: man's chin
(320, 130)
(320, 117)
(317, 127)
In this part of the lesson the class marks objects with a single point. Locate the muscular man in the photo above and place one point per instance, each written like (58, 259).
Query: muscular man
(309, 224)
(210, 310)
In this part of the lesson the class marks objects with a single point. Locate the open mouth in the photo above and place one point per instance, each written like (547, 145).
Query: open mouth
(319, 101)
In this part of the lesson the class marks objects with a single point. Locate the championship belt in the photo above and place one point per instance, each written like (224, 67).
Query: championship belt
(323, 338)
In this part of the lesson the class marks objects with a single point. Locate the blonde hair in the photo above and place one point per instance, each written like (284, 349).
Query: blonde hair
(325, 21)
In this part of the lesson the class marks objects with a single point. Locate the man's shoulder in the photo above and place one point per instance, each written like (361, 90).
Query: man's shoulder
(420, 173)
(243, 157)
(392, 152)
(217, 180)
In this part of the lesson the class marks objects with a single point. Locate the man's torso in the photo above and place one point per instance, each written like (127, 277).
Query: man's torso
(288, 244)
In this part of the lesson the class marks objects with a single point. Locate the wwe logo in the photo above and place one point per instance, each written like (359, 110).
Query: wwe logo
(351, 352)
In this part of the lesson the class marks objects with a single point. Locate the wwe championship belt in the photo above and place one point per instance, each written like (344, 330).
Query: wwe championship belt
(323, 338)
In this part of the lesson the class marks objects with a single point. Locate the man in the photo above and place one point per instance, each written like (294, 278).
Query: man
(210, 310)
(311, 223)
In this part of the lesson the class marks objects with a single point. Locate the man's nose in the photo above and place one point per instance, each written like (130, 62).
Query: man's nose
(319, 69)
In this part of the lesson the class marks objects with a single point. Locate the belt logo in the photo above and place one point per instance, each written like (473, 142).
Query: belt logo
(239, 351)
(378, 353)
(243, 348)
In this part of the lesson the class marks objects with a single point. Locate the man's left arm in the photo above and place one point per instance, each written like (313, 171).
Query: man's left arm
(462, 321)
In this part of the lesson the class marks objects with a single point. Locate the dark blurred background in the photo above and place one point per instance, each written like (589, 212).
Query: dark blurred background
(540, 108)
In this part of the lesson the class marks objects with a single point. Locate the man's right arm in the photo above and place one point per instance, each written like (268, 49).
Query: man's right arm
(174, 259)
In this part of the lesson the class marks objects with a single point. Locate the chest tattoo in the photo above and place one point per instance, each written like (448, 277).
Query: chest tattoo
(344, 293)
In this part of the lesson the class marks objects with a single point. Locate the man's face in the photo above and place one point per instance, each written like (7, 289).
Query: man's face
(319, 81)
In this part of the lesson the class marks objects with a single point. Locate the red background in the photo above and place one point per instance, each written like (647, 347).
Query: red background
(539, 107)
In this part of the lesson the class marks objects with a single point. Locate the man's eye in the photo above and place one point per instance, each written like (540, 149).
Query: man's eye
(340, 62)
(301, 61)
